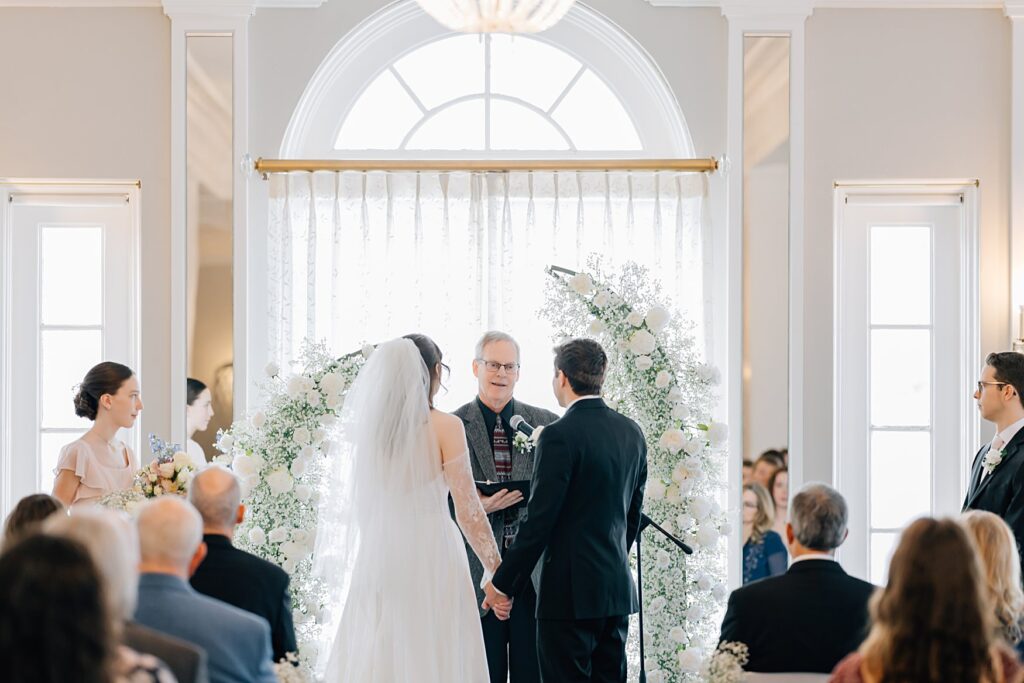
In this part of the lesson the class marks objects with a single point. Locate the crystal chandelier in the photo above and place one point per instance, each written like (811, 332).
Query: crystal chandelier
(497, 16)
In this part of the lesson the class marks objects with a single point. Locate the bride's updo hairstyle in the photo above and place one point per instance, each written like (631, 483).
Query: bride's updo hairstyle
(431, 354)
(104, 378)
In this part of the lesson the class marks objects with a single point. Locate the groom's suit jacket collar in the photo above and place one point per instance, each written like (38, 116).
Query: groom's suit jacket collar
(978, 486)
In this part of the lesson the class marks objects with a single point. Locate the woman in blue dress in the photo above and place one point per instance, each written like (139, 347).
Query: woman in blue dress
(764, 554)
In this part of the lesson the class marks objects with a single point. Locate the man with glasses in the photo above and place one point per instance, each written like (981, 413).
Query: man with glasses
(997, 475)
(511, 645)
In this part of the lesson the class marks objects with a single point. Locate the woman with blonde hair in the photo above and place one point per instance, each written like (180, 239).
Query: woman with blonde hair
(1000, 563)
(764, 554)
(932, 622)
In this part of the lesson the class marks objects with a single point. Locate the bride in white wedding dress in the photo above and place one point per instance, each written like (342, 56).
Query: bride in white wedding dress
(387, 542)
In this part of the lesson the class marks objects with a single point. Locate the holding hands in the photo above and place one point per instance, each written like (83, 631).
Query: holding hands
(497, 602)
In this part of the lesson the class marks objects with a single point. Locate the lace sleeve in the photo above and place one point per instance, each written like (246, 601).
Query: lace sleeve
(470, 515)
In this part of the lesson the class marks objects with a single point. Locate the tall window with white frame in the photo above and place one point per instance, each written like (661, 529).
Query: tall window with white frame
(74, 276)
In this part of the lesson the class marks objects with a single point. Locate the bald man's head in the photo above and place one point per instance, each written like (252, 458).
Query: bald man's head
(170, 533)
(216, 494)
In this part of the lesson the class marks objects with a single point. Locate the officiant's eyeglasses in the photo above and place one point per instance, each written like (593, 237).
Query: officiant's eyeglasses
(981, 385)
(494, 366)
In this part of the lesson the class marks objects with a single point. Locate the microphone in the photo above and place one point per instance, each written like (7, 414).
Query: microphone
(519, 424)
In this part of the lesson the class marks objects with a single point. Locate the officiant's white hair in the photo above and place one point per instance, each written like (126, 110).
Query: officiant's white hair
(492, 336)
(170, 530)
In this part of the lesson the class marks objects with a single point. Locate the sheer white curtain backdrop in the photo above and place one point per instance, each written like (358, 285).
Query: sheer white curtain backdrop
(364, 257)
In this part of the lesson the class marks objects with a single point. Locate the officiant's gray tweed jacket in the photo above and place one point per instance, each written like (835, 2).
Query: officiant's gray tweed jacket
(481, 457)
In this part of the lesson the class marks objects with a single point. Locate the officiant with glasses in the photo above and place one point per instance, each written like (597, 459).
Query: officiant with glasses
(497, 456)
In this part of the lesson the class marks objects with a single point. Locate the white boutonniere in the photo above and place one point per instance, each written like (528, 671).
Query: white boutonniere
(522, 442)
(992, 460)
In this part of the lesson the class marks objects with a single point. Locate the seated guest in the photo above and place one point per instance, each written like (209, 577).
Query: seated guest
(27, 515)
(778, 487)
(814, 614)
(1000, 564)
(765, 466)
(933, 622)
(232, 575)
(237, 643)
(764, 554)
(56, 625)
(111, 542)
(748, 471)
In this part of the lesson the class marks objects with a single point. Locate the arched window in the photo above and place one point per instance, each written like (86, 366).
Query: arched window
(400, 85)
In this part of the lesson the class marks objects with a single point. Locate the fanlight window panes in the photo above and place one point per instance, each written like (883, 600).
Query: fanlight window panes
(490, 93)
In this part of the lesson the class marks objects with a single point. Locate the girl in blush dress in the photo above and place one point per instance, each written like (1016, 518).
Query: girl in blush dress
(98, 462)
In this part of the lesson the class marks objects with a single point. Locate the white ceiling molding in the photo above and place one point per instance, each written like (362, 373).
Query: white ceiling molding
(194, 7)
(777, 7)
(1014, 9)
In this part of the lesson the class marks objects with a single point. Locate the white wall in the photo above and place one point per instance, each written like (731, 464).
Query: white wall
(901, 94)
(86, 94)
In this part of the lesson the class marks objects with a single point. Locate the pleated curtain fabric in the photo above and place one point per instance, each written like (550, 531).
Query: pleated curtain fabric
(362, 257)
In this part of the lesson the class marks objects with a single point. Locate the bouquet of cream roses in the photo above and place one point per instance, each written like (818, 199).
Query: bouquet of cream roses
(169, 472)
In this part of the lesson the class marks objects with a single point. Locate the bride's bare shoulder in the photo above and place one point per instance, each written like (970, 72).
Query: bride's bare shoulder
(450, 433)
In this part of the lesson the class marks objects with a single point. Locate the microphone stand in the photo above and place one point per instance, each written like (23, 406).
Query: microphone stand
(645, 522)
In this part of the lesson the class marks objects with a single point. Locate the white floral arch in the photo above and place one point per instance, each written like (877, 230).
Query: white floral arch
(394, 31)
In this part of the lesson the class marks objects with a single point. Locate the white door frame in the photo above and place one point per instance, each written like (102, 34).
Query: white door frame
(970, 325)
(9, 188)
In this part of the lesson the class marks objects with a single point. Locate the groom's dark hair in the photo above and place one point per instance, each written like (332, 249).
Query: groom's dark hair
(583, 362)
(1009, 367)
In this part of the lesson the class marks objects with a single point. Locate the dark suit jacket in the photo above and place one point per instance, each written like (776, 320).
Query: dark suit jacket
(186, 661)
(590, 468)
(250, 583)
(804, 620)
(1002, 492)
(481, 458)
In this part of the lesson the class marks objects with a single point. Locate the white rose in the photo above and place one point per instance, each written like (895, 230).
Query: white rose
(314, 398)
(680, 473)
(597, 326)
(279, 535)
(298, 467)
(684, 522)
(300, 536)
(258, 419)
(657, 318)
(635, 319)
(181, 459)
(680, 412)
(700, 507)
(709, 373)
(655, 490)
(656, 676)
(247, 484)
(292, 550)
(718, 433)
(690, 661)
(301, 436)
(657, 604)
(226, 443)
(367, 350)
(673, 440)
(272, 369)
(327, 421)
(157, 491)
(643, 363)
(695, 613)
(663, 559)
(663, 379)
(602, 299)
(289, 566)
(246, 466)
(257, 536)
(693, 446)
(332, 383)
(719, 592)
(303, 492)
(707, 536)
(622, 345)
(673, 495)
(686, 485)
(581, 283)
(295, 386)
(323, 617)
(704, 582)
(319, 434)
(280, 481)
(334, 401)
(184, 476)
(677, 634)
(725, 529)
(675, 394)
(642, 343)
(167, 469)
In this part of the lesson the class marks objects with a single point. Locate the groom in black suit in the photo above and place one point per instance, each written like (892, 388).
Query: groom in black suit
(590, 468)
(997, 475)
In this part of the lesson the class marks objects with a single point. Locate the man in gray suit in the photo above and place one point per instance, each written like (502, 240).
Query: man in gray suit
(511, 645)
(171, 543)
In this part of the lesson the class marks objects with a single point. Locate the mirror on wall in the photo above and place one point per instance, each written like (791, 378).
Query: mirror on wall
(766, 167)
(209, 188)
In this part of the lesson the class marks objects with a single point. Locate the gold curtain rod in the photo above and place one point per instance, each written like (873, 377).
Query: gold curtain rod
(266, 166)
